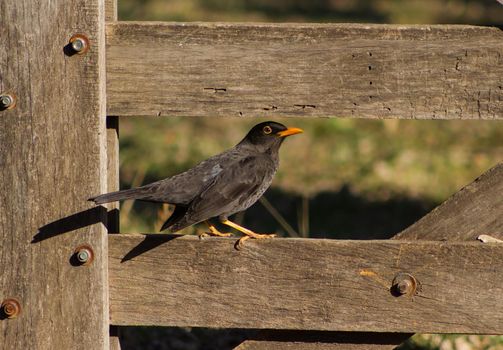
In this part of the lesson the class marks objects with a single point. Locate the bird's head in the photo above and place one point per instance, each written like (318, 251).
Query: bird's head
(269, 135)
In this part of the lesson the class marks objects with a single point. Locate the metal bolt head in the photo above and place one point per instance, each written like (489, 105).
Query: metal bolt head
(7, 101)
(11, 308)
(84, 255)
(79, 43)
(404, 284)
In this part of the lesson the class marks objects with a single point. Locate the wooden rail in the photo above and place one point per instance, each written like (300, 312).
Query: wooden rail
(316, 340)
(323, 70)
(474, 210)
(304, 284)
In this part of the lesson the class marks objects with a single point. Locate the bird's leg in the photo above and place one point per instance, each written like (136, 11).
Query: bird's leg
(248, 233)
(214, 231)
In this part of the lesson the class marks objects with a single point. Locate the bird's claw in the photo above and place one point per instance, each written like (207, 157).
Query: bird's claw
(239, 244)
(203, 235)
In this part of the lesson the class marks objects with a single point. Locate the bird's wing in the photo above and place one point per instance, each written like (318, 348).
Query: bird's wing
(181, 189)
(234, 186)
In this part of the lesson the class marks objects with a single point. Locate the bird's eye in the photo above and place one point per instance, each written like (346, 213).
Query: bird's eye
(267, 130)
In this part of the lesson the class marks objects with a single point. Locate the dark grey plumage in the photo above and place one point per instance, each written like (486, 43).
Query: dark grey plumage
(220, 186)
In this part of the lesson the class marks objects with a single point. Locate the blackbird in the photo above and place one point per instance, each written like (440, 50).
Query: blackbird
(220, 186)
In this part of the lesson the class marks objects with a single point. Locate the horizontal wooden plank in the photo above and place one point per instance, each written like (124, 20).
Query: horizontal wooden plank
(292, 345)
(306, 70)
(316, 340)
(305, 284)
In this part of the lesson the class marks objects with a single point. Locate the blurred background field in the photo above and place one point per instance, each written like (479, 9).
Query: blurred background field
(370, 11)
(342, 178)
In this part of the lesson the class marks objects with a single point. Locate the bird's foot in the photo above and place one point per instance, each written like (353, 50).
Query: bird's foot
(240, 242)
(488, 239)
(214, 232)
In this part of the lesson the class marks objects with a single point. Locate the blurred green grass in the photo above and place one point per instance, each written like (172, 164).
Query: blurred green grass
(361, 178)
(375, 11)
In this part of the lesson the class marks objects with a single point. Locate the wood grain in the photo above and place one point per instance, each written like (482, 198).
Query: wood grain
(476, 209)
(304, 284)
(293, 345)
(113, 222)
(113, 170)
(110, 10)
(305, 70)
(52, 158)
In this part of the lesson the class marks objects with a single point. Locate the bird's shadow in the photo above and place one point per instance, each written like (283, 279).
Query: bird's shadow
(73, 222)
(150, 241)
(95, 215)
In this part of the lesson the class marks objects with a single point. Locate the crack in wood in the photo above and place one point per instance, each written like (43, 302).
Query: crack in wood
(215, 90)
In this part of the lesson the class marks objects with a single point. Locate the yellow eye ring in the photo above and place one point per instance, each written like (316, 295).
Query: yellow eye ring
(267, 129)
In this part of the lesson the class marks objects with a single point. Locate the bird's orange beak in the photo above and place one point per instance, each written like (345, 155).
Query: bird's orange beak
(289, 131)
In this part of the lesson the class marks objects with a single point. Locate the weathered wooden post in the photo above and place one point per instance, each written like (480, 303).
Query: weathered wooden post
(53, 156)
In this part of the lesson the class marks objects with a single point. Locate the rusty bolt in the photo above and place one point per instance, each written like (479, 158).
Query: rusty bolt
(404, 284)
(84, 254)
(11, 308)
(79, 44)
(7, 101)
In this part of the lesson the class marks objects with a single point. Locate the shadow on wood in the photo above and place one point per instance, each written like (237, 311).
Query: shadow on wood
(148, 243)
(70, 223)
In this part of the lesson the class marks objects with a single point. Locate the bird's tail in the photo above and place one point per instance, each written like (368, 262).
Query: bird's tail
(133, 193)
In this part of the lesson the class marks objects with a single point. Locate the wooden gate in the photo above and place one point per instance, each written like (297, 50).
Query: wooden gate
(69, 70)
